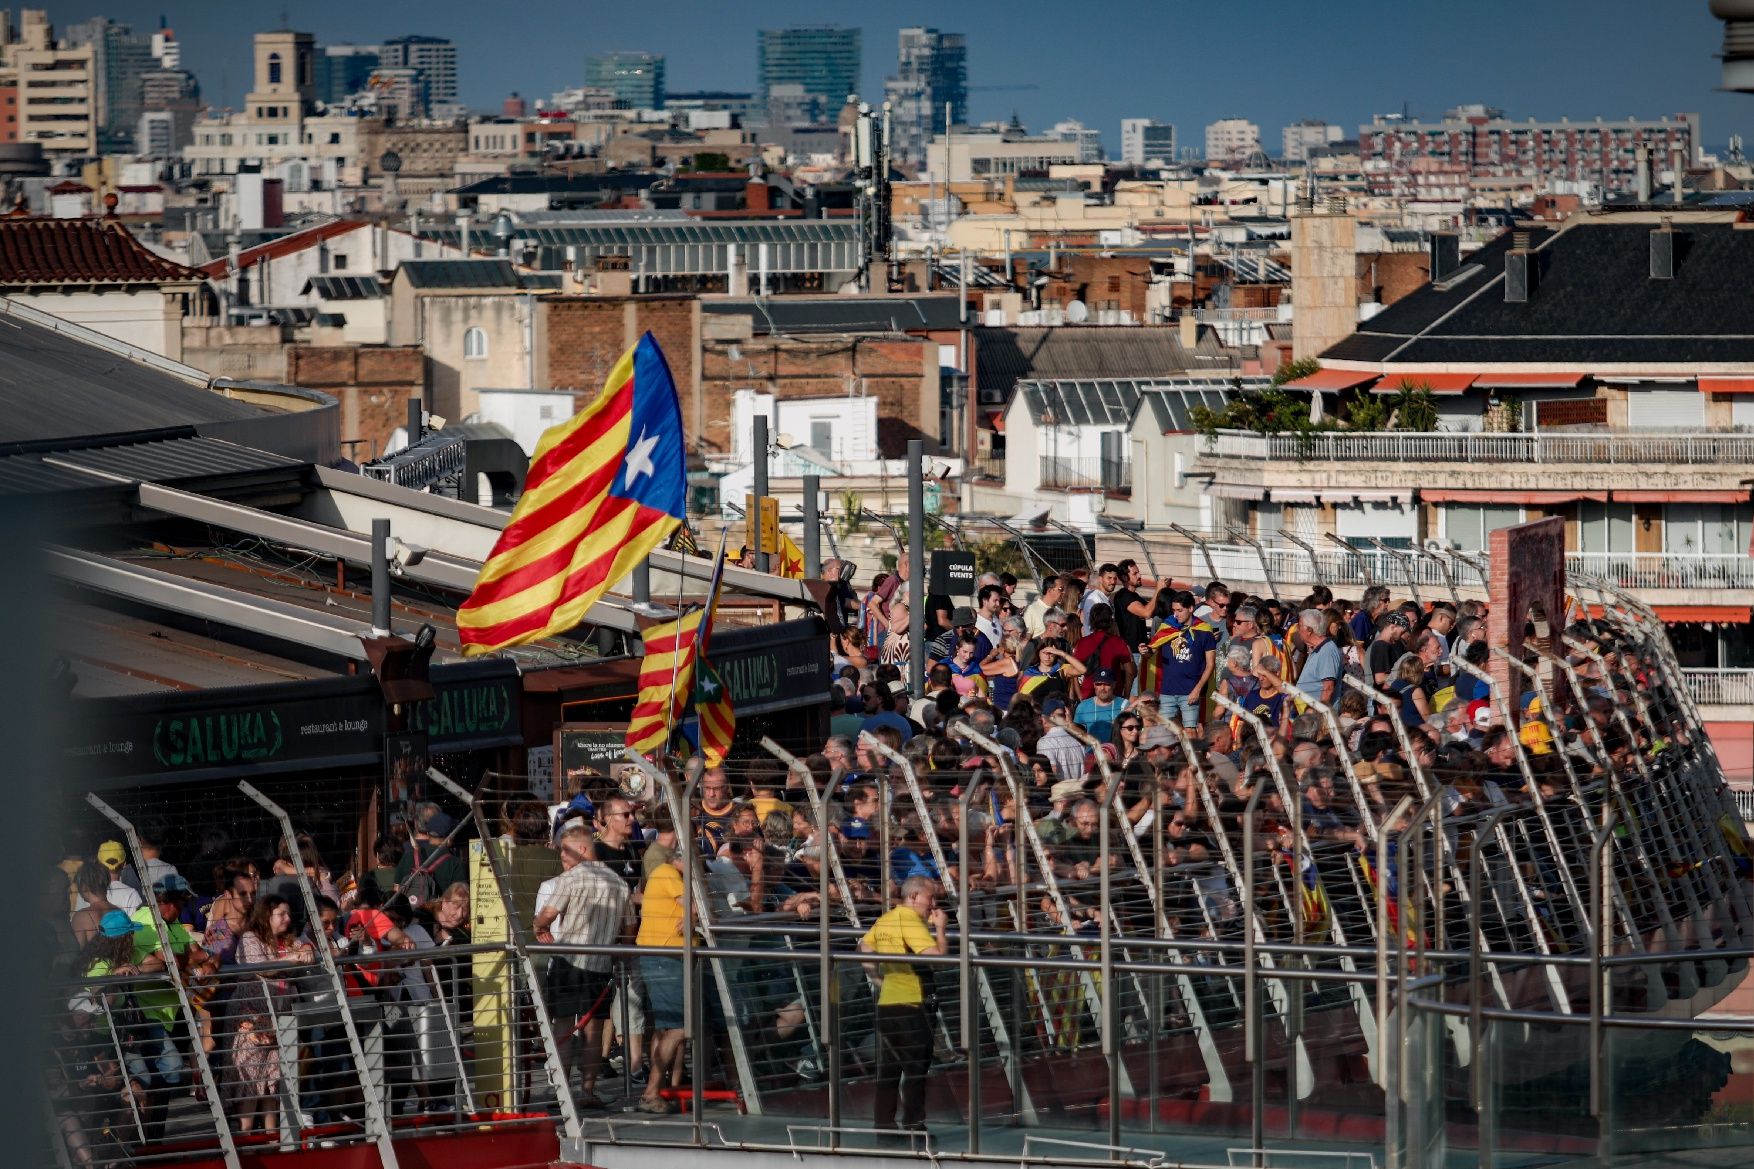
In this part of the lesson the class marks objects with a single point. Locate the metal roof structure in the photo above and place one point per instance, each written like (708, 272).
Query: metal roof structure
(843, 314)
(1081, 403)
(460, 274)
(1253, 267)
(1171, 402)
(345, 287)
(60, 381)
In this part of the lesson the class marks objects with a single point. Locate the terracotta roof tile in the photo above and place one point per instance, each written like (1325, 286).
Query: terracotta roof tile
(79, 251)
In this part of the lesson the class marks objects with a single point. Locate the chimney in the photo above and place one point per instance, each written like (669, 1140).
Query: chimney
(1190, 329)
(1445, 255)
(755, 196)
(1522, 270)
(1662, 251)
(1678, 166)
(1641, 174)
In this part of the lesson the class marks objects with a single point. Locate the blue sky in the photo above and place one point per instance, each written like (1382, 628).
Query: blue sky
(1273, 61)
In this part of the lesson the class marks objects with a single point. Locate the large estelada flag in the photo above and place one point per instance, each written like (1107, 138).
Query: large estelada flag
(605, 488)
(666, 678)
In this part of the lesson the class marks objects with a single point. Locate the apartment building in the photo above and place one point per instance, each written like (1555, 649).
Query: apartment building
(1231, 140)
(1478, 142)
(56, 87)
(1310, 134)
(1600, 370)
(1146, 140)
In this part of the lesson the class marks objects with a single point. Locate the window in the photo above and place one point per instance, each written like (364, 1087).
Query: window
(822, 436)
(340, 259)
(1604, 527)
(1467, 525)
(475, 343)
(273, 68)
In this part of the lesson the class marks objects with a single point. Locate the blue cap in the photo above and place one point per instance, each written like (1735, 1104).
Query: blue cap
(171, 883)
(856, 828)
(115, 924)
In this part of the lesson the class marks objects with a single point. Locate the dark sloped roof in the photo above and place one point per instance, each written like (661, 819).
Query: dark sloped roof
(556, 184)
(1005, 356)
(460, 273)
(843, 314)
(79, 251)
(57, 386)
(1594, 303)
(334, 287)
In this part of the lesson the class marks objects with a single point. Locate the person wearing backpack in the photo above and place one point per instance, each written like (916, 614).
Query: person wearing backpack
(429, 865)
(1103, 649)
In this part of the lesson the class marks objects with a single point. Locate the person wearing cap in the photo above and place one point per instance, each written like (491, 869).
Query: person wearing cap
(112, 856)
(904, 1032)
(430, 865)
(158, 1002)
(1053, 828)
(962, 621)
(1097, 713)
(863, 867)
(886, 714)
(91, 886)
(1386, 649)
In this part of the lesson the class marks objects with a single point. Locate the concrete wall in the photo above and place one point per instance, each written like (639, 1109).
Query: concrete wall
(146, 317)
(507, 321)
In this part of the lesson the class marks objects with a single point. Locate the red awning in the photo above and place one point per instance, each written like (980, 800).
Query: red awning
(996, 418)
(1437, 383)
(1694, 614)
(1332, 379)
(1533, 379)
(1733, 495)
(1726, 385)
(1487, 495)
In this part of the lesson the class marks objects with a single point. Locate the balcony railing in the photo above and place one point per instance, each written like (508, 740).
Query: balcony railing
(1666, 570)
(1395, 447)
(987, 466)
(1721, 687)
(1093, 474)
(1327, 564)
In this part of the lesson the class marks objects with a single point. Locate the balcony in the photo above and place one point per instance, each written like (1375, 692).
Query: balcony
(1720, 687)
(1086, 474)
(987, 466)
(1666, 570)
(1727, 447)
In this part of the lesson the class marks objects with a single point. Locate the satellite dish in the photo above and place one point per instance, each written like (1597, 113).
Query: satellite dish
(1077, 312)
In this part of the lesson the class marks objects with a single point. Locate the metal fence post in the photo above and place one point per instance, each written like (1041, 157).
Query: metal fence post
(569, 1113)
(203, 1068)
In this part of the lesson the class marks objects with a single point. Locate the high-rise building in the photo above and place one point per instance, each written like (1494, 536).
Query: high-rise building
(1147, 141)
(344, 70)
(1307, 135)
(930, 84)
(56, 88)
(636, 79)
(1088, 141)
(119, 56)
(821, 60)
(166, 49)
(435, 57)
(1231, 140)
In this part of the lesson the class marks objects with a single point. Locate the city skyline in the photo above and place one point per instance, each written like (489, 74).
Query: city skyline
(1545, 64)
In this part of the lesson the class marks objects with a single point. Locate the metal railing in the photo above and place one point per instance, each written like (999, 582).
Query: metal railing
(1720, 687)
(987, 466)
(1394, 447)
(1086, 473)
(1093, 980)
(1666, 570)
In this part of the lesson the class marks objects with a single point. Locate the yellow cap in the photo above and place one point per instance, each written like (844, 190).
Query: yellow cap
(111, 853)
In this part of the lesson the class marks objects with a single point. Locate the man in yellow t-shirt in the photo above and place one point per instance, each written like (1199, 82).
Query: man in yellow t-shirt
(904, 1033)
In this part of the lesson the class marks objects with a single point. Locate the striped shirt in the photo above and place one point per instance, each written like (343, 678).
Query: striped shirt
(591, 901)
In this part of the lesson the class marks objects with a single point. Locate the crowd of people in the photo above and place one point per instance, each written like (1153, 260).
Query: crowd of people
(1182, 707)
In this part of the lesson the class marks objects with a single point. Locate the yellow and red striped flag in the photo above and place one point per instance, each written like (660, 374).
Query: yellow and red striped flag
(718, 717)
(605, 488)
(666, 678)
(790, 559)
